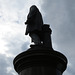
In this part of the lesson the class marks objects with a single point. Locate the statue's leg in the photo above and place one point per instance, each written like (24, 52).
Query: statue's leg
(35, 38)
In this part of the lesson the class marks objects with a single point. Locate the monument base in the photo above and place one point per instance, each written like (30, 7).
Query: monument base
(39, 60)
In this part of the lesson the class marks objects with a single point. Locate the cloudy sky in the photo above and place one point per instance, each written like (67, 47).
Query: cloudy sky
(60, 14)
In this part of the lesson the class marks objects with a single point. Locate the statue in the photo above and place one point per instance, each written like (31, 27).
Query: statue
(39, 32)
(40, 58)
(34, 24)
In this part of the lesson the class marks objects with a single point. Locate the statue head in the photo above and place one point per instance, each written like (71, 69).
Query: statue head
(34, 8)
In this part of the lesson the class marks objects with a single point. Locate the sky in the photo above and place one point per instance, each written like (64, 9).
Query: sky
(59, 14)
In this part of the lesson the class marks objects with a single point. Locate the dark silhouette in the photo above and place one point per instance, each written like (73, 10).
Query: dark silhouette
(34, 24)
(39, 59)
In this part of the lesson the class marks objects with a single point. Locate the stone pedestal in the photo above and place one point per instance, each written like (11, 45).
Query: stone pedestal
(39, 60)
(46, 31)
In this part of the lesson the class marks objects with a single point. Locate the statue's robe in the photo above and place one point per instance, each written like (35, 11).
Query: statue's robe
(34, 20)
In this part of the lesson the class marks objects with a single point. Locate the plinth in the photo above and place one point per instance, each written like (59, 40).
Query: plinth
(39, 60)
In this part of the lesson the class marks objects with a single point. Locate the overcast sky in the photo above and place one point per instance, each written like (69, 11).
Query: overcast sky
(59, 14)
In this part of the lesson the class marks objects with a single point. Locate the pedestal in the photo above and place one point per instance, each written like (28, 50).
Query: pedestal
(39, 60)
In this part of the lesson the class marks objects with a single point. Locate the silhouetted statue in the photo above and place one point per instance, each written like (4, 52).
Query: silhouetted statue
(40, 59)
(34, 24)
(39, 32)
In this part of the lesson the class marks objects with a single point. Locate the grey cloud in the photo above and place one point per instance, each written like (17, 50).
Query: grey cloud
(61, 15)
(16, 44)
(4, 64)
(25, 46)
(70, 71)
